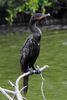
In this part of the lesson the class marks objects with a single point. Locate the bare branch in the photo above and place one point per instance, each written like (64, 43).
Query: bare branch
(17, 92)
(4, 93)
(11, 83)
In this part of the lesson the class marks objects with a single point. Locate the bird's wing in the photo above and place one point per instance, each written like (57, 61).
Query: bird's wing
(25, 53)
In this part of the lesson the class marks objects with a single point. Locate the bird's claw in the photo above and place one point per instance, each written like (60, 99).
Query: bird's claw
(37, 71)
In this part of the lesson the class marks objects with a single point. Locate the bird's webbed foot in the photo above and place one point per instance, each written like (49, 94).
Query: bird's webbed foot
(37, 71)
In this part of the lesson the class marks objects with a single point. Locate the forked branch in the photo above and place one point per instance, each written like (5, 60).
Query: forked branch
(17, 92)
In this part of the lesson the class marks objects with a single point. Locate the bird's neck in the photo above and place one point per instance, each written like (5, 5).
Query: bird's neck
(36, 32)
(34, 29)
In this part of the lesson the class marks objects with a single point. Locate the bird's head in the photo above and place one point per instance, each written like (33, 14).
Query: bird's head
(37, 17)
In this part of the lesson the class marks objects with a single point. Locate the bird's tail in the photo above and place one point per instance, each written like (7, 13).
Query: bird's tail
(25, 84)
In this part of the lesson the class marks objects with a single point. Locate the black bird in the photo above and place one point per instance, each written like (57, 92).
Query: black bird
(31, 47)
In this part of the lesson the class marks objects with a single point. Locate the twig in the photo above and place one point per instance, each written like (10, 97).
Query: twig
(4, 93)
(42, 84)
(11, 84)
(9, 91)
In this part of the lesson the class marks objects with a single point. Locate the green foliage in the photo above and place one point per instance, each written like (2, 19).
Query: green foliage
(13, 8)
(43, 3)
(32, 6)
(27, 6)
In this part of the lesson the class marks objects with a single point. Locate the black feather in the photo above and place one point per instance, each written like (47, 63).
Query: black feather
(30, 50)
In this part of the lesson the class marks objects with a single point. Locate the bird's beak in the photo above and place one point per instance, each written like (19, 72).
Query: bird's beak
(43, 16)
(46, 15)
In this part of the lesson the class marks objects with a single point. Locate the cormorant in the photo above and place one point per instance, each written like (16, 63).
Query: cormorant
(31, 48)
